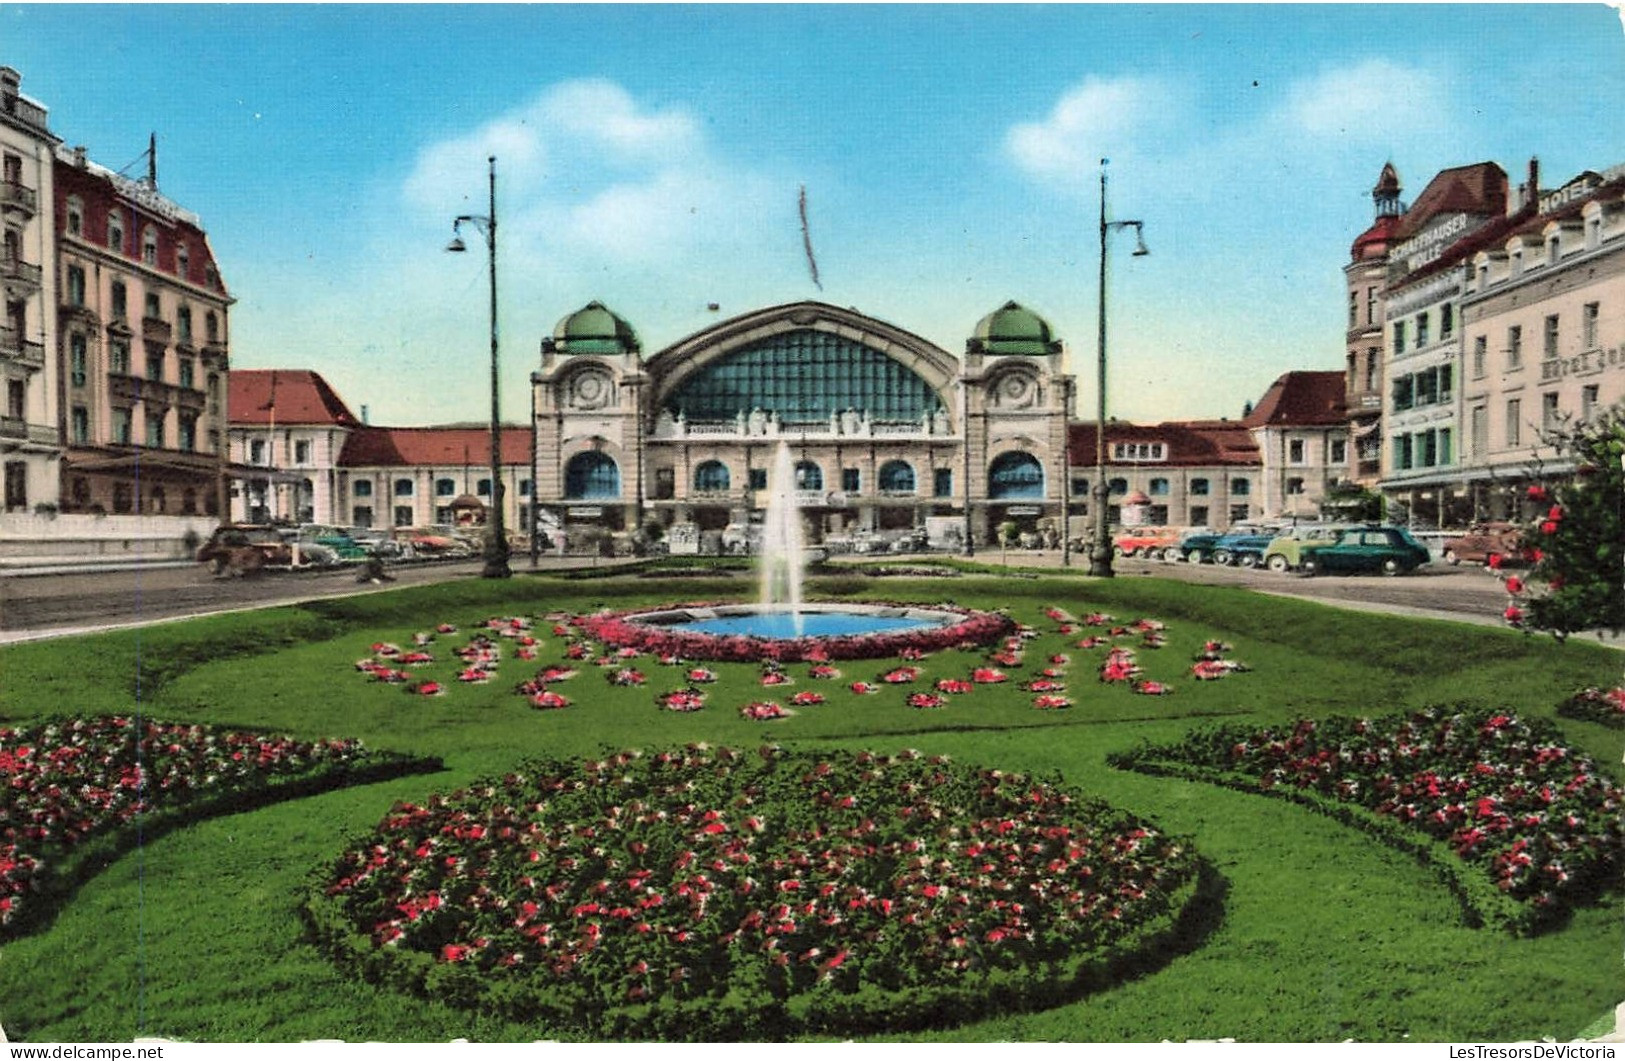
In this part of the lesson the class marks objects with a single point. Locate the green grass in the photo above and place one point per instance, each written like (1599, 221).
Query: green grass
(1326, 935)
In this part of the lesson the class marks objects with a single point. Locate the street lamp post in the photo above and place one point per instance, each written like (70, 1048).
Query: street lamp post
(1100, 558)
(496, 543)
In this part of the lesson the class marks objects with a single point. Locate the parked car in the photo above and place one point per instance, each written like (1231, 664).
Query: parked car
(1480, 543)
(1285, 551)
(423, 541)
(1242, 545)
(246, 548)
(1390, 550)
(342, 545)
(1150, 542)
(379, 542)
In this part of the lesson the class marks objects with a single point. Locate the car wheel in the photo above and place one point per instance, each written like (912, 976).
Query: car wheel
(1118, 552)
(1194, 556)
(1171, 555)
(1222, 557)
(1391, 566)
(1278, 564)
(1451, 558)
(1248, 560)
(1311, 566)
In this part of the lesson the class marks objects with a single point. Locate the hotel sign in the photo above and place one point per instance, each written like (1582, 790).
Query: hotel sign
(1578, 188)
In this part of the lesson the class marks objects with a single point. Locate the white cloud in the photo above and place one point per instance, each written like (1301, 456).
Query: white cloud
(1367, 100)
(1100, 118)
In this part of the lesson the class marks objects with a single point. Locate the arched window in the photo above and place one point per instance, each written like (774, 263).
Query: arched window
(809, 476)
(897, 477)
(1015, 475)
(403, 488)
(711, 476)
(591, 475)
(445, 488)
(1241, 487)
(1118, 486)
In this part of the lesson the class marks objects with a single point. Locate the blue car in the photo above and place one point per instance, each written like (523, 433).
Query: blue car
(1390, 550)
(1242, 546)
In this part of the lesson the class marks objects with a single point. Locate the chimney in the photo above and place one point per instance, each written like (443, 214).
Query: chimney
(79, 156)
(11, 83)
(1529, 192)
(363, 414)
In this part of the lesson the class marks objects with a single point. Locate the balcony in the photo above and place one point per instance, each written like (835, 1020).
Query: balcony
(153, 392)
(19, 278)
(13, 347)
(18, 200)
(15, 428)
(156, 330)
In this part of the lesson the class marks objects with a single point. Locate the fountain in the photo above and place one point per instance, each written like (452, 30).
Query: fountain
(782, 556)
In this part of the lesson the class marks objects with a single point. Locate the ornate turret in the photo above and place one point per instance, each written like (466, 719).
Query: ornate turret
(1375, 241)
(1013, 329)
(593, 329)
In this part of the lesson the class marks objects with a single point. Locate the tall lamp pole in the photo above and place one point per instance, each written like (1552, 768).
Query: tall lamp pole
(496, 542)
(1100, 558)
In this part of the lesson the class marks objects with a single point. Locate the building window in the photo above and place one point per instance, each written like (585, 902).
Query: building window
(155, 431)
(81, 425)
(665, 484)
(1199, 487)
(301, 452)
(1588, 400)
(76, 215)
(1294, 486)
(1371, 305)
(120, 296)
(155, 364)
(211, 326)
(445, 488)
(1118, 486)
(149, 246)
(851, 480)
(183, 262)
(1402, 452)
(1590, 314)
(188, 434)
(1372, 356)
(1514, 421)
(214, 393)
(1339, 451)
(1158, 488)
(115, 234)
(1421, 330)
(943, 479)
(1199, 515)
(758, 479)
(1294, 451)
(592, 474)
(256, 451)
(118, 357)
(897, 477)
(524, 488)
(1399, 337)
(187, 373)
(123, 426)
(1551, 335)
(16, 398)
(404, 488)
(361, 488)
(1404, 393)
(809, 476)
(711, 477)
(1515, 346)
(155, 307)
(1445, 454)
(76, 286)
(78, 356)
(403, 515)
(1241, 487)
(1481, 345)
(1238, 513)
(483, 488)
(1554, 249)
(1548, 410)
(1354, 308)
(1447, 322)
(1447, 381)
(1015, 475)
(1479, 425)
(183, 325)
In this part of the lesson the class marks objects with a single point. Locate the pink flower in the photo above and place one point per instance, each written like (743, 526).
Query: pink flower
(1514, 584)
(863, 688)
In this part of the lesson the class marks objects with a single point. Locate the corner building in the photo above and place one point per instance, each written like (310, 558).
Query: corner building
(886, 430)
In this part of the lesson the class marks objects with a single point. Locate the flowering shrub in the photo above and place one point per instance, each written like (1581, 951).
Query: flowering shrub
(764, 711)
(926, 700)
(1606, 706)
(548, 700)
(1051, 702)
(686, 700)
(623, 629)
(73, 791)
(713, 894)
(956, 686)
(1500, 793)
(807, 698)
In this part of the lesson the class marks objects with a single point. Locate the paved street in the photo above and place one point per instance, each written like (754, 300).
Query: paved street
(40, 605)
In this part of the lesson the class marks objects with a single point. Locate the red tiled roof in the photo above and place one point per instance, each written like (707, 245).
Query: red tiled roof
(371, 447)
(1376, 241)
(1191, 443)
(1477, 189)
(285, 396)
(1301, 399)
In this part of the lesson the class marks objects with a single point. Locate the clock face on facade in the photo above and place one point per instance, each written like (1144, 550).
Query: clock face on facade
(1017, 390)
(591, 390)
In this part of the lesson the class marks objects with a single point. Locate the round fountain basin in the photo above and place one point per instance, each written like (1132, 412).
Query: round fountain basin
(782, 625)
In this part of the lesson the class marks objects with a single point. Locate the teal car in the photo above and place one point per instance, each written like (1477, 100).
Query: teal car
(1390, 550)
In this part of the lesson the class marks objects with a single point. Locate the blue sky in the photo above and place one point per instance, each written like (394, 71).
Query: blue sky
(650, 156)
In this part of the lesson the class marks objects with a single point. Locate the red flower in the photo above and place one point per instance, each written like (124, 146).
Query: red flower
(1537, 492)
(1514, 584)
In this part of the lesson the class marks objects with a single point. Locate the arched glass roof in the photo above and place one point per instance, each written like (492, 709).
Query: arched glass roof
(804, 376)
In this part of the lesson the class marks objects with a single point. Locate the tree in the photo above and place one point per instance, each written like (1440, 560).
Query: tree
(1577, 541)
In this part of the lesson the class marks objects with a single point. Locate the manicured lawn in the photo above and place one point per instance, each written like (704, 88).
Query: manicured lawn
(1326, 934)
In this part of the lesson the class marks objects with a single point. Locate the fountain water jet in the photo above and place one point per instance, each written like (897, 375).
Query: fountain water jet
(782, 554)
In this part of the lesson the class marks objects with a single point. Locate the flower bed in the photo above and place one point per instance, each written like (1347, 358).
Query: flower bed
(622, 629)
(713, 894)
(1526, 818)
(75, 793)
(1606, 706)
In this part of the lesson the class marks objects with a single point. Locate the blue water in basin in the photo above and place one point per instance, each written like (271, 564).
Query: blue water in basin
(779, 626)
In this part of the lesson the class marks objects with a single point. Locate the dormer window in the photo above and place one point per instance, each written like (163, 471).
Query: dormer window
(149, 246)
(183, 262)
(1554, 250)
(76, 215)
(1139, 451)
(115, 234)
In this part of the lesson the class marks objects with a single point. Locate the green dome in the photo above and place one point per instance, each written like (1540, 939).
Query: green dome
(594, 329)
(1013, 329)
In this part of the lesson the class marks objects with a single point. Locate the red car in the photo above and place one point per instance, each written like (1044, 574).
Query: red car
(1150, 542)
(1481, 542)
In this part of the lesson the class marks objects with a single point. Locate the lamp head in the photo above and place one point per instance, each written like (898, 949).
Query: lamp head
(1140, 249)
(456, 246)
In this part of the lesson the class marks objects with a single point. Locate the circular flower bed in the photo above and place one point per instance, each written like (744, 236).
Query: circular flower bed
(624, 630)
(715, 894)
(1605, 706)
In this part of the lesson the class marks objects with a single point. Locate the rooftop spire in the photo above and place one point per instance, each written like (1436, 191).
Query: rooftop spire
(1386, 194)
